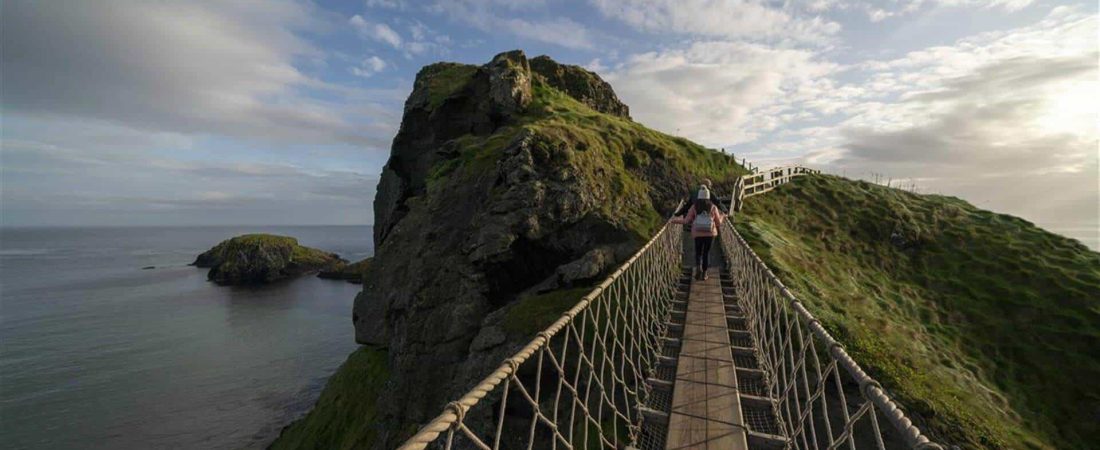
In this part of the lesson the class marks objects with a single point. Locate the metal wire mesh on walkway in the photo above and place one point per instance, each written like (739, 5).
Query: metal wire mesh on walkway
(822, 398)
(580, 382)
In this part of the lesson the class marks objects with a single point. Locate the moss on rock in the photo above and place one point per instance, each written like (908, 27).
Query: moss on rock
(344, 416)
(262, 258)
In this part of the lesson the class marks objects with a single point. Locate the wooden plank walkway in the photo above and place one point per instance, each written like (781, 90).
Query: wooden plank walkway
(706, 411)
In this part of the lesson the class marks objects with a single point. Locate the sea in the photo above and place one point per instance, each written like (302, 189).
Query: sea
(97, 350)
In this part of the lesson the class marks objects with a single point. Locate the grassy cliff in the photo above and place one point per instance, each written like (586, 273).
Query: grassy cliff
(342, 419)
(568, 177)
(983, 325)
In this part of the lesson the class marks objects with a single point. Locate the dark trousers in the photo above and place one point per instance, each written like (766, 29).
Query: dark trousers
(702, 251)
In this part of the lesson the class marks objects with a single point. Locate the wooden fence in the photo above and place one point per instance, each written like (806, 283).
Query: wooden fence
(764, 181)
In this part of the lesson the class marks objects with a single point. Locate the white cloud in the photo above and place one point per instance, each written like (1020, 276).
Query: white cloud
(733, 19)
(1007, 120)
(719, 93)
(422, 39)
(377, 31)
(369, 66)
(169, 190)
(170, 67)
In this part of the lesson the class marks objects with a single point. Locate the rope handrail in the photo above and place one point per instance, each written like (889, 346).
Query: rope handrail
(793, 365)
(586, 380)
(641, 286)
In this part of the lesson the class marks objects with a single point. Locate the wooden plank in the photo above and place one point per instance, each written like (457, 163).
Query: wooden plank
(705, 407)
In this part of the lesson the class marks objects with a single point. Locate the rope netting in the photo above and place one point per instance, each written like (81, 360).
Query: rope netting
(819, 396)
(581, 383)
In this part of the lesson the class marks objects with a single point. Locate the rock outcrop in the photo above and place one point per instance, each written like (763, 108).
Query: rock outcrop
(505, 181)
(580, 84)
(352, 273)
(262, 258)
(510, 187)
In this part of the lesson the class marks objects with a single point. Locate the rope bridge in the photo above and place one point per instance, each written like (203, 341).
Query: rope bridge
(605, 374)
(581, 381)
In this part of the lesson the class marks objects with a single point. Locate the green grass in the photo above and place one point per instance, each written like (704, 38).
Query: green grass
(982, 324)
(445, 80)
(344, 416)
(606, 152)
(532, 314)
(284, 245)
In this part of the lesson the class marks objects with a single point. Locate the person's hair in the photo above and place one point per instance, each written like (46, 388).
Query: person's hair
(706, 182)
(702, 205)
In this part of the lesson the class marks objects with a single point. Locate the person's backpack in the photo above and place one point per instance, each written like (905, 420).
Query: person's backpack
(703, 222)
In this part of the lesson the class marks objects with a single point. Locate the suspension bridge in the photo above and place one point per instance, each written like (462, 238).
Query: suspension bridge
(654, 359)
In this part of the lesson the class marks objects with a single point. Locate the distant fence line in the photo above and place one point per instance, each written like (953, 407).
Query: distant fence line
(759, 183)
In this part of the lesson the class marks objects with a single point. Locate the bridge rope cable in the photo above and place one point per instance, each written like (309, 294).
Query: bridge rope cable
(821, 397)
(580, 382)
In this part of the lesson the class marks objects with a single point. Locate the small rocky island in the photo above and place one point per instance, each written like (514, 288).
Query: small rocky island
(263, 258)
(352, 273)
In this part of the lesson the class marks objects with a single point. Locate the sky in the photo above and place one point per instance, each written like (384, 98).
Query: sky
(282, 112)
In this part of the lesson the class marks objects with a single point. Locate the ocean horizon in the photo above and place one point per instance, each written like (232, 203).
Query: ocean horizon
(97, 350)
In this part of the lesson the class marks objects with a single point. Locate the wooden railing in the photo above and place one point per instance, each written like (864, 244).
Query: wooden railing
(764, 181)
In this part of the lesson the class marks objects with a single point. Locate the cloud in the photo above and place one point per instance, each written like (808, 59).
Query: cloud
(377, 31)
(485, 16)
(731, 19)
(1007, 120)
(877, 11)
(422, 39)
(171, 67)
(369, 66)
(39, 178)
(717, 92)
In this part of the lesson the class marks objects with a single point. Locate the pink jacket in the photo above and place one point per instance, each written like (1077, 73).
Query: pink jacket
(715, 215)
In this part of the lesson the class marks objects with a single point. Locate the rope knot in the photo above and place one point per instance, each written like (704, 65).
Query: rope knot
(545, 335)
(459, 412)
(512, 364)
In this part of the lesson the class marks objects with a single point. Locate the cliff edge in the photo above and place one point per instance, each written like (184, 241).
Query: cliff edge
(511, 189)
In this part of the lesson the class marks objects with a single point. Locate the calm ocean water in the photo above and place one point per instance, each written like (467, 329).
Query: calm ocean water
(97, 353)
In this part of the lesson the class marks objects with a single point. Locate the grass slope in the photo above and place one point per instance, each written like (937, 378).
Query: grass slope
(982, 324)
(343, 415)
(608, 148)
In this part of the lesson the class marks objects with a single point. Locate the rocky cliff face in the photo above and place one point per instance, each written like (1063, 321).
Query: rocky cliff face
(506, 182)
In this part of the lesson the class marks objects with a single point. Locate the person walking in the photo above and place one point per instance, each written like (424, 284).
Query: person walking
(691, 198)
(704, 218)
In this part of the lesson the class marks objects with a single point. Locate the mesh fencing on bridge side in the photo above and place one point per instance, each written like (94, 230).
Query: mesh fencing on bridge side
(819, 394)
(580, 382)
